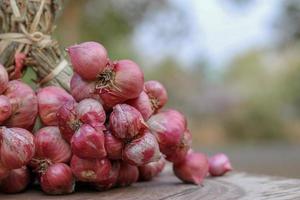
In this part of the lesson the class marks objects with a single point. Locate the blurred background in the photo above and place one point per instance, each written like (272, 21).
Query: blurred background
(232, 66)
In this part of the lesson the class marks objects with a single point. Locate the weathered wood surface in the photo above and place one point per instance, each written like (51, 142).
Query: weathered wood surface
(166, 186)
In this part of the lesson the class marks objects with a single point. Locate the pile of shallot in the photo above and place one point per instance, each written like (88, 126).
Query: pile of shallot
(111, 131)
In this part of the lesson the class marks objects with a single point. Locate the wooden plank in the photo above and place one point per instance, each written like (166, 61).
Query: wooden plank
(232, 186)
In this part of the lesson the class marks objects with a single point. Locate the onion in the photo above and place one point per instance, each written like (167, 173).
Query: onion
(219, 164)
(50, 147)
(16, 181)
(157, 94)
(16, 147)
(193, 169)
(91, 112)
(3, 79)
(112, 178)
(50, 99)
(92, 170)
(3, 172)
(182, 149)
(150, 170)
(82, 89)
(88, 143)
(143, 104)
(120, 81)
(113, 146)
(58, 179)
(168, 127)
(71, 116)
(24, 105)
(88, 59)
(68, 121)
(142, 150)
(5, 108)
(126, 122)
(128, 174)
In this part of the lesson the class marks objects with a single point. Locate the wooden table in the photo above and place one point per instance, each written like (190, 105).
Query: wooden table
(232, 186)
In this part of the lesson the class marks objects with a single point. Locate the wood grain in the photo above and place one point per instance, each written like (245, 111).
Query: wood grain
(232, 186)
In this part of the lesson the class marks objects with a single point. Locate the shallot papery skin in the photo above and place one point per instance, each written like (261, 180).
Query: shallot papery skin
(58, 179)
(120, 81)
(90, 170)
(91, 112)
(157, 94)
(68, 121)
(113, 146)
(16, 147)
(49, 145)
(16, 181)
(182, 149)
(126, 122)
(82, 89)
(219, 164)
(111, 180)
(128, 174)
(88, 143)
(50, 99)
(24, 105)
(5, 108)
(88, 59)
(168, 127)
(143, 104)
(142, 150)
(193, 169)
(150, 170)
(3, 79)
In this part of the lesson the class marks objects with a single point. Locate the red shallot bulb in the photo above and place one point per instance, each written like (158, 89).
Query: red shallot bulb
(24, 105)
(182, 149)
(143, 104)
(3, 172)
(82, 89)
(91, 112)
(142, 150)
(168, 127)
(193, 169)
(88, 59)
(50, 99)
(126, 122)
(128, 174)
(88, 143)
(113, 146)
(16, 181)
(5, 108)
(150, 170)
(219, 164)
(157, 94)
(16, 147)
(49, 145)
(112, 178)
(3, 79)
(58, 179)
(68, 121)
(90, 170)
(120, 81)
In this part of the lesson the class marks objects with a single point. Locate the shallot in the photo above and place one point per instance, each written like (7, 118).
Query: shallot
(88, 59)
(193, 169)
(219, 164)
(126, 122)
(16, 181)
(16, 147)
(58, 179)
